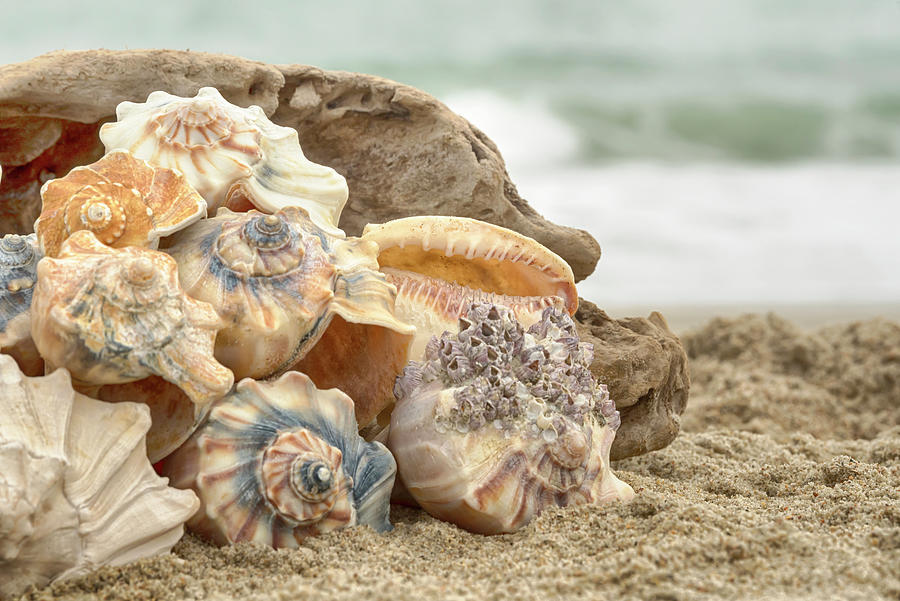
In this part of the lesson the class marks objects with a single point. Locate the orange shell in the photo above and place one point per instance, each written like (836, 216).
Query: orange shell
(123, 200)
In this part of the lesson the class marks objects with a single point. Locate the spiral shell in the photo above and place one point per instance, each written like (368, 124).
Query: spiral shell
(76, 489)
(19, 256)
(498, 422)
(123, 200)
(279, 461)
(113, 316)
(440, 265)
(233, 156)
(283, 286)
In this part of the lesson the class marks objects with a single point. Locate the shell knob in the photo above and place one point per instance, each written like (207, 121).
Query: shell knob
(268, 232)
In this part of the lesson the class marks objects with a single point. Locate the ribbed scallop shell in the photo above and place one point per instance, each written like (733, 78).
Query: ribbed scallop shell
(19, 256)
(123, 200)
(279, 461)
(284, 286)
(498, 423)
(233, 156)
(441, 264)
(76, 489)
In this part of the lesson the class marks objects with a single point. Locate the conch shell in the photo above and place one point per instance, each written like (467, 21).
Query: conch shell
(123, 200)
(76, 489)
(234, 157)
(19, 256)
(441, 265)
(279, 461)
(113, 316)
(498, 423)
(282, 284)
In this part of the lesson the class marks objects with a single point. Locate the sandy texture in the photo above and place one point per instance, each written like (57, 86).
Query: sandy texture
(722, 513)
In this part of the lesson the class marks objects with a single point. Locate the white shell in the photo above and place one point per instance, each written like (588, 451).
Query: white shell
(76, 488)
(231, 155)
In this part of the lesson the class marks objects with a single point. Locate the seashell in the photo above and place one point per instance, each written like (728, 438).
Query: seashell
(233, 156)
(123, 200)
(487, 444)
(76, 489)
(19, 256)
(440, 265)
(113, 316)
(279, 461)
(281, 284)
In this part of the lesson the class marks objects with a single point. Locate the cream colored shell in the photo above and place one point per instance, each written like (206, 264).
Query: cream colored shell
(123, 200)
(233, 156)
(441, 264)
(76, 489)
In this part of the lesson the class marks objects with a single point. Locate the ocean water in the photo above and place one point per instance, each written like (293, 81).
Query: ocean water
(730, 151)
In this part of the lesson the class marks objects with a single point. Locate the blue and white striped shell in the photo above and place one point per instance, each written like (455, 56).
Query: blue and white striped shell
(233, 156)
(19, 256)
(279, 461)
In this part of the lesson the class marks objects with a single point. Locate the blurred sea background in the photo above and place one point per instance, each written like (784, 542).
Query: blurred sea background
(728, 155)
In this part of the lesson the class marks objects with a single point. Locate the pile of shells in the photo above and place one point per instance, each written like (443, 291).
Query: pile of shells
(196, 306)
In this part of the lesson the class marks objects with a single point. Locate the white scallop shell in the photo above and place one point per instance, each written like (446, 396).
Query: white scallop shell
(231, 155)
(76, 488)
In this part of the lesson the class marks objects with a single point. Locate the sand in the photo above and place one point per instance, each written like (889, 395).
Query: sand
(784, 484)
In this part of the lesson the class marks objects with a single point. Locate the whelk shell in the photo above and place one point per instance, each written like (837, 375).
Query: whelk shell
(76, 489)
(19, 256)
(279, 461)
(114, 316)
(234, 157)
(283, 287)
(498, 422)
(123, 200)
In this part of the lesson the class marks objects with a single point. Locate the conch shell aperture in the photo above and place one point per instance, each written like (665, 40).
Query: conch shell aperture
(498, 422)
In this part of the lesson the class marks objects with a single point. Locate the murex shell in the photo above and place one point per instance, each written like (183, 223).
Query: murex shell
(498, 423)
(76, 489)
(233, 156)
(278, 281)
(442, 264)
(279, 461)
(123, 200)
(19, 257)
(114, 316)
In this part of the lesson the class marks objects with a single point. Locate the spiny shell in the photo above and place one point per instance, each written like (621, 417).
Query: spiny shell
(123, 200)
(113, 316)
(76, 489)
(279, 282)
(19, 256)
(498, 423)
(441, 265)
(231, 155)
(279, 461)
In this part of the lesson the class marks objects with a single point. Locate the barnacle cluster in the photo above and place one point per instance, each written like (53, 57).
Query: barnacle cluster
(504, 375)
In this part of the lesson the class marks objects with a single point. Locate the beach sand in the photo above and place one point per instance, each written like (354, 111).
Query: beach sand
(784, 484)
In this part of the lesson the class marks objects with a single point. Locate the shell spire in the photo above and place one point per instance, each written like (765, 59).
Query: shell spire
(235, 157)
(498, 422)
(19, 256)
(279, 461)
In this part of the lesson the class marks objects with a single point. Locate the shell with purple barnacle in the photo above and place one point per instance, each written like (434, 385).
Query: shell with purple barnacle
(282, 286)
(122, 199)
(498, 422)
(235, 157)
(279, 461)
